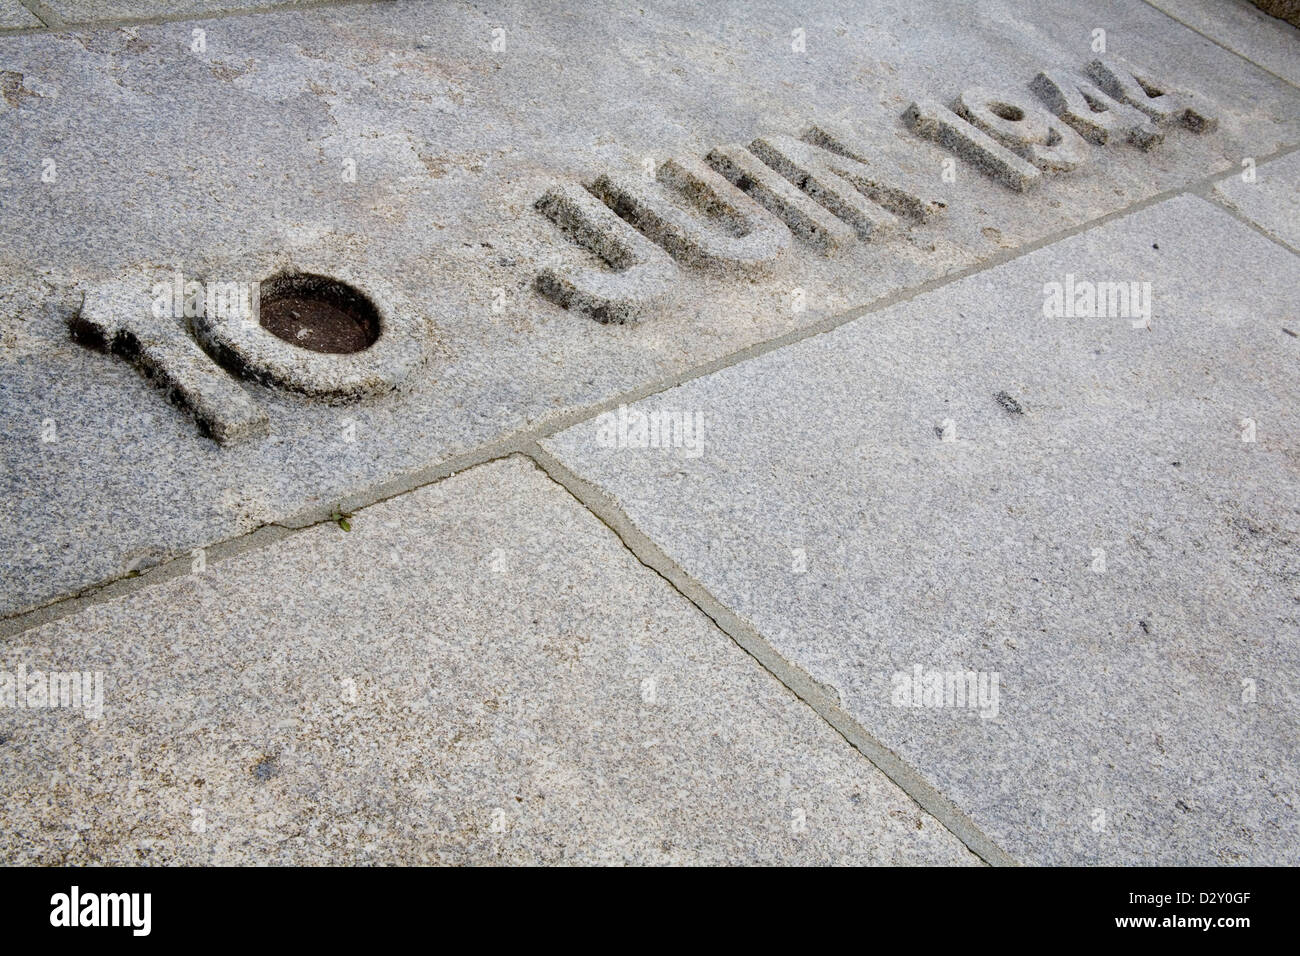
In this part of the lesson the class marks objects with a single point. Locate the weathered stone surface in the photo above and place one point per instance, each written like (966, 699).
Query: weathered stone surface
(1288, 10)
(1024, 127)
(634, 275)
(1146, 89)
(241, 345)
(936, 122)
(478, 672)
(452, 143)
(806, 218)
(902, 182)
(13, 16)
(825, 176)
(1094, 115)
(698, 216)
(92, 11)
(1254, 33)
(1271, 200)
(115, 317)
(960, 482)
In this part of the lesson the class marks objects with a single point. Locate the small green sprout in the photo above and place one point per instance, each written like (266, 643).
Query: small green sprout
(340, 518)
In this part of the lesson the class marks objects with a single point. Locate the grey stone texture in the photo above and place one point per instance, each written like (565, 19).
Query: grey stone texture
(937, 122)
(805, 217)
(1092, 113)
(963, 483)
(478, 672)
(1253, 33)
(1271, 200)
(240, 344)
(14, 16)
(822, 176)
(738, 234)
(115, 317)
(897, 179)
(634, 275)
(1144, 87)
(1022, 125)
(453, 144)
(1288, 10)
(95, 11)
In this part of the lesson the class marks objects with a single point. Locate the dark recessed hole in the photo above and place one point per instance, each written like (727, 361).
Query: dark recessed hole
(318, 313)
(1007, 111)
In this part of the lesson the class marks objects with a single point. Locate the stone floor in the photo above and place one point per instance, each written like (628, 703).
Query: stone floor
(893, 473)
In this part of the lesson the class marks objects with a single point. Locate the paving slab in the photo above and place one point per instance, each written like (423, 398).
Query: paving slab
(1241, 26)
(1271, 199)
(477, 672)
(404, 142)
(1102, 513)
(13, 15)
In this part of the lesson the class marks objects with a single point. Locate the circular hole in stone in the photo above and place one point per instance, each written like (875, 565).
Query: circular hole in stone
(1007, 111)
(318, 313)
